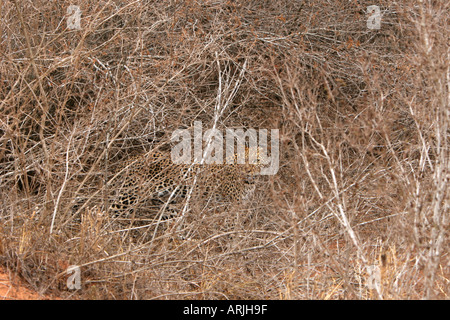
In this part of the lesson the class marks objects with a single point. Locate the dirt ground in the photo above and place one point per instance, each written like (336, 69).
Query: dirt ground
(12, 288)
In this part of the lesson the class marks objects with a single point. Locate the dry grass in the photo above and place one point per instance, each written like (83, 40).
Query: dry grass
(364, 126)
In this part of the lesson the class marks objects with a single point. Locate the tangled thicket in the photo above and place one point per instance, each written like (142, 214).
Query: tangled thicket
(358, 209)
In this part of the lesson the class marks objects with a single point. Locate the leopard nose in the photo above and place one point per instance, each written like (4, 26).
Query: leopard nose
(250, 179)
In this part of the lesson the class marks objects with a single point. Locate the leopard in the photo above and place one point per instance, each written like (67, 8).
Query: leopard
(148, 181)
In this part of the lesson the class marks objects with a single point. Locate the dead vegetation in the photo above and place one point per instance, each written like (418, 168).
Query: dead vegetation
(358, 209)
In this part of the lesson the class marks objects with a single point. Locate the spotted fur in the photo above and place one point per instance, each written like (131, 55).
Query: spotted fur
(154, 178)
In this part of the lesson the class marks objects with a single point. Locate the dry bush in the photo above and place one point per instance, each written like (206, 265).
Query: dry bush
(358, 209)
